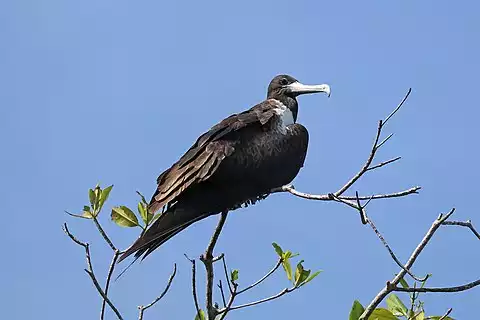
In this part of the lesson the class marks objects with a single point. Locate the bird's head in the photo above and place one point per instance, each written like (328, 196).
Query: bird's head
(286, 89)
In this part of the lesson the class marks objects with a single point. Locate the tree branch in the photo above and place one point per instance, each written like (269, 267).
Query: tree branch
(90, 272)
(464, 287)
(337, 196)
(143, 308)
(194, 284)
(392, 285)
(278, 295)
(446, 314)
(382, 239)
(107, 283)
(467, 224)
(208, 260)
(277, 265)
(103, 233)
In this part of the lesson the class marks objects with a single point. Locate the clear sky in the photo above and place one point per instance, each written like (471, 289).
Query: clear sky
(115, 91)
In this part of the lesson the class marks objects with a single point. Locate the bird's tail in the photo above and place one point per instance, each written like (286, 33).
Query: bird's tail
(166, 226)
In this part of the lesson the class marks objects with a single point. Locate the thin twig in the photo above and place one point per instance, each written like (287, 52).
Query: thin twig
(464, 287)
(228, 307)
(337, 196)
(365, 166)
(382, 239)
(103, 233)
(278, 295)
(277, 265)
(446, 314)
(384, 163)
(100, 291)
(467, 224)
(391, 285)
(384, 140)
(89, 271)
(107, 283)
(222, 293)
(194, 284)
(398, 107)
(208, 259)
(327, 197)
(226, 276)
(143, 308)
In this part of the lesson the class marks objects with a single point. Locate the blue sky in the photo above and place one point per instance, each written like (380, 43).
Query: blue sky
(115, 91)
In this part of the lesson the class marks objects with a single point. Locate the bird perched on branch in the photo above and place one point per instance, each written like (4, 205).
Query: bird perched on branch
(238, 161)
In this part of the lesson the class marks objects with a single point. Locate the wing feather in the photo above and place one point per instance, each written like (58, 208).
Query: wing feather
(205, 156)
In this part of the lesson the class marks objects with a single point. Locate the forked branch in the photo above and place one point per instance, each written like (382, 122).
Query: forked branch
(368, 166)
(392, 285)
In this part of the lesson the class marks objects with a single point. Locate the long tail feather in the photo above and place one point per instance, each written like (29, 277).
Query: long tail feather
(167, 225)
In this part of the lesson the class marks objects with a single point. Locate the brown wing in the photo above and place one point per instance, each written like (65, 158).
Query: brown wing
(204, 157)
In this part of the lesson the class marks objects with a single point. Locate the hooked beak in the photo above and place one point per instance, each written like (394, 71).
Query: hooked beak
(298, 88)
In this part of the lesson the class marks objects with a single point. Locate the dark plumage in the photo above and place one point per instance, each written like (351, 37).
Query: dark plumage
(238, 161)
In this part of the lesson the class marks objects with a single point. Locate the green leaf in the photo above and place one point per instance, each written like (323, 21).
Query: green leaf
(234, 275)
(200, 315)
(288, 268)
(104, 196)
(146, 215)
(124, 217)
(312, 276)
(278, 249)
(287, 254)
(87, 213)
(420, 316)
(356, 311)
(143, 212)
(404, 283)
(382, 314)
(93, 198)
(299, 273)
(396, 306)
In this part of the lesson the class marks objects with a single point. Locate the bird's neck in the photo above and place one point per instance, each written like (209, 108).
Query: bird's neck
(289, 102)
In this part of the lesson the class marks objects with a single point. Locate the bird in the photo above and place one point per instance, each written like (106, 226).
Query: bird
(236, 163)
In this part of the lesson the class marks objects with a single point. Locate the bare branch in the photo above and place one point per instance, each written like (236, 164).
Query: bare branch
(278, 295)
(107, 283)
(337, 196)
(446, 314)
(143, 308)
(384, 140)
(328, 197)
(467, 224)
(89, 271)
(208, 260)
(100, 291)
(391, 285)
(228, 307)
(194, 284)
(103, 233)
(277, 265)
(222, 293)
(384, 163)
(370, 222)
(398, 107)
(464, 287)
(365, 166)
(227, 276)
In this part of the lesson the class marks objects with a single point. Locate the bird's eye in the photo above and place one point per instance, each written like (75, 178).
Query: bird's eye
(283, 81)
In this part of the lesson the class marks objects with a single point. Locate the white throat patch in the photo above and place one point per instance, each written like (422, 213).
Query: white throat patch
(285, 114)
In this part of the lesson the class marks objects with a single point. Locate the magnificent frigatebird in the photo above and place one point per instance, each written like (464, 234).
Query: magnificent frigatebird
(238, 161)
